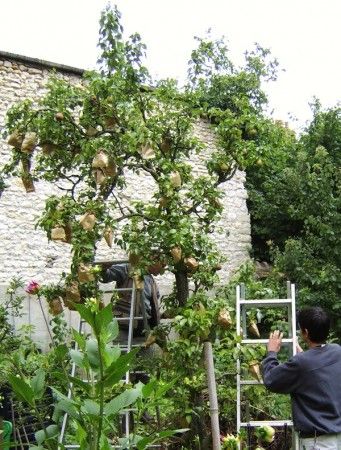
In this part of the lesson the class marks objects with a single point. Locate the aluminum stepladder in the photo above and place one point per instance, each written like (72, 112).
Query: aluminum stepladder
(110, 289)
(241, 307)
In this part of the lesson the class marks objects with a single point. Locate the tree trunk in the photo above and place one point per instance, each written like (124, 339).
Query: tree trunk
(182, 291)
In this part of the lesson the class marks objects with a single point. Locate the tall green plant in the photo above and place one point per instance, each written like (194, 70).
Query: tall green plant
(92, 408)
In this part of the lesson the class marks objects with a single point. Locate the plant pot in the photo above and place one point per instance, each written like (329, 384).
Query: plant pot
(138, 282)
(255, 370)
(100, 177)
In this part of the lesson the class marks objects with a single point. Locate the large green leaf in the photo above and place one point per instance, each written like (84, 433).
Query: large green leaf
(81, 434)
(115, 372)
(90, 407)
(77, 357)
(61, 351)
(122, 401)
(79, 338)
(103, 318)
(22, 389)
(111, 354)
(93, 353)
(84, 385)
(112, 330)
(38, 383)
(68, 406)
(49, 432)
(87, 315)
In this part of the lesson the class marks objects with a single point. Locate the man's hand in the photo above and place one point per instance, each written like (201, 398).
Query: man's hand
(275, 341)
(299, 349)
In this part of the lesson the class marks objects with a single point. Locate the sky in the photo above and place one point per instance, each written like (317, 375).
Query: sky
(304, 35)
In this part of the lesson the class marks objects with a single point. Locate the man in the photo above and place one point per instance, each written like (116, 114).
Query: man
(149, 294)
(312, 378)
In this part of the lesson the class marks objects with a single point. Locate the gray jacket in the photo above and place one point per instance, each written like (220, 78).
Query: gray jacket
(120, 274)
(313, 379)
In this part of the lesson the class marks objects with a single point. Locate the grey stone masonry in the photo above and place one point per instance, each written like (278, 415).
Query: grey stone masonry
(25, 250)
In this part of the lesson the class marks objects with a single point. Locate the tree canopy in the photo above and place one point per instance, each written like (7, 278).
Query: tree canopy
(86, 138)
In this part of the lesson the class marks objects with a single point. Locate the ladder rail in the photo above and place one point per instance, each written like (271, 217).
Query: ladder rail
(238, 360)
(69, 394)
(241, 308)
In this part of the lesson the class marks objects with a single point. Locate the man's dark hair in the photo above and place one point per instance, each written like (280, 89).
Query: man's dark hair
(316, 321)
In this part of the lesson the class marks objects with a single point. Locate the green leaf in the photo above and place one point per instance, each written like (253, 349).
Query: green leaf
(38, 383)
(111, 354)
(103, 318)
(142, 443)
(79, 338)
(90, 407)
(84, 385)
(81, 434)
(105, 443)
(162, 389)
(92, 353)
(68, 406)
(149, 388)
(61, 351)
(87, 315)
(122, 401)
(77, 357)
(22, 389)
(115, 372)
(112, 330)
(49, 432)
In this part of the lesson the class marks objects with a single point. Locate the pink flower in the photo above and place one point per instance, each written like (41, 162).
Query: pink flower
(32, 288)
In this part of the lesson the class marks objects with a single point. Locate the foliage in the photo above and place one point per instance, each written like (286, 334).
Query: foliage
(10, 305)
(102, 367)
(295, 207)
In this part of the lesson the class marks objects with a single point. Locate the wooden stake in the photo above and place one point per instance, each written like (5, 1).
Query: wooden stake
(212, 395)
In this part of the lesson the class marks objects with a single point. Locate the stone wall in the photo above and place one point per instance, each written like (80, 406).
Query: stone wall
(25, 251)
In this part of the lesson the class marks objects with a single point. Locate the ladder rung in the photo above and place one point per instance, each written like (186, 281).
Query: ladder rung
(125, 348)
(267, 302)
(112, 446)
(264, 341)
(249, 382)
(109, 289)
(120, 319)
(273, 423)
